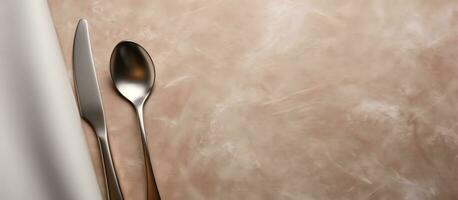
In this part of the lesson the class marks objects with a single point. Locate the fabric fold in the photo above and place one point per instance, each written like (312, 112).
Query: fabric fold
(43, 152)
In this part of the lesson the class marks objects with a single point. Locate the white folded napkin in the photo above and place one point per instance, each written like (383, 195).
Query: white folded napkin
(43, 152)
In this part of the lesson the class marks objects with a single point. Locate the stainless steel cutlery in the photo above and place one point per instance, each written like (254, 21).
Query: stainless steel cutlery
(90, 104)
(133, 74)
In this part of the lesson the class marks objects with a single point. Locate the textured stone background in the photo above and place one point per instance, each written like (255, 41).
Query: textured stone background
(283, 99)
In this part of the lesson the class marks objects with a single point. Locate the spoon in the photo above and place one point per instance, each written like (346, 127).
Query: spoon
(133, 74)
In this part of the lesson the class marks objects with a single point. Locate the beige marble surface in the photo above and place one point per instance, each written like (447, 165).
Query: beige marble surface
(283, 99)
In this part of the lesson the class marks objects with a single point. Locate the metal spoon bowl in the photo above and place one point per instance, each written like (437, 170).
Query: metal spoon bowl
(133, 74)
(132, 71)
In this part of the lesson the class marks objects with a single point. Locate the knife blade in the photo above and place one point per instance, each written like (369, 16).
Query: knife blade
(90, 103)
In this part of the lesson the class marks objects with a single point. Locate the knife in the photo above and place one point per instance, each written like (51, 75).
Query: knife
(90, 104)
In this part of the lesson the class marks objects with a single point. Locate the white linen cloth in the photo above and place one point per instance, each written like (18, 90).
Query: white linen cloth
(43, 152)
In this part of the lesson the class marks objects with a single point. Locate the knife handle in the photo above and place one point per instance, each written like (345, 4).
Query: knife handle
(111, 180)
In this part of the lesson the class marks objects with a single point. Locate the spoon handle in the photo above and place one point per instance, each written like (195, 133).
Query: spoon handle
(152, 190)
